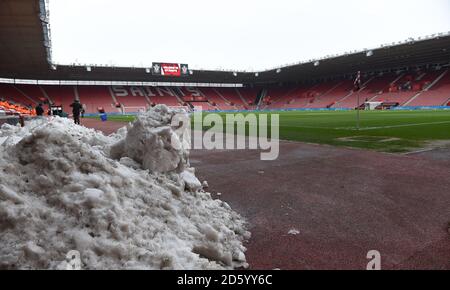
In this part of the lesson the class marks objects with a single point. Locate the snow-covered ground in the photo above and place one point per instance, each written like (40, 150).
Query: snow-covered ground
(125, 201)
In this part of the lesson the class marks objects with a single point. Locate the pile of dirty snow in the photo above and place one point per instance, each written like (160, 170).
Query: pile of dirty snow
(125, 201)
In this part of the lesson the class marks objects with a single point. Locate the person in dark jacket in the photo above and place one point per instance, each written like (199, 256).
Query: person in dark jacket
(39, 110)
(76, 110)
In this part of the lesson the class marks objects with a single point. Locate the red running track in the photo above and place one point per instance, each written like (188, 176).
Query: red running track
(344, 202)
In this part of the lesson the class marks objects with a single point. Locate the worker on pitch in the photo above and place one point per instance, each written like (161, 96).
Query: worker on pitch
(76, 110)
(39, 110)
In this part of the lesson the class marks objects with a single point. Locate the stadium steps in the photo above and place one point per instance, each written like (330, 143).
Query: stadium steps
(291, 91)
(380, 93)
(292, 96)
(60, 95)
(182, 93)
(33, 91)
(223, 98)
(231, 95)
(421, 76)
(432, 84)
(364, 86)
(8, 92)
(174, 92)
(220, 95)
(214, 98)
(75, 92)
(412, 99)
(382, 89)
(260, 97)
(436, 81)
(111, 93)
(205, 105)
(342, 99)
(241, 97)
(330, 90)
(93, 97)
(374, 97)
(147, 98)
(216, 107)
(397, 79)
(163, 95)
(446, 103)
(326, 93)
(25, 95)
(398, 96)
(46, 95)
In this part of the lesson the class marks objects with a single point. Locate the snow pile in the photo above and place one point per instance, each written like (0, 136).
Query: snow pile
(149, 142)
(293, 232)
(125, 201)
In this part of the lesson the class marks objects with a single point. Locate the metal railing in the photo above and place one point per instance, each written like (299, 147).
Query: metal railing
(115, 83)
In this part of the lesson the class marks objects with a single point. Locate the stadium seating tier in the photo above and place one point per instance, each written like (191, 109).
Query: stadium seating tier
(430, 88)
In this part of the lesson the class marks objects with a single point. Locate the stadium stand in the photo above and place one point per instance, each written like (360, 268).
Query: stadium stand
(412, 89)
(371, 88)
(437, 95)
(411, 73)
(217, 99)
(8, 108)
(290, 97)
(60, 95)
(327, 94)
(400, 91)
(31, 92)
(164, 95)
(312, 85)
(95, 97)
(232, 96)
(11, 93)
(194, 97)
(130, 96)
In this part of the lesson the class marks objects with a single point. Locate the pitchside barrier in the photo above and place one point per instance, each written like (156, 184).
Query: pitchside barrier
(132, 110)
(298, 110)
(422, 108)
(328, 109)
(12, 120)
(280, 110)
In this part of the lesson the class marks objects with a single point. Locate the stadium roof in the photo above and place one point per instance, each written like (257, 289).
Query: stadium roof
(22, 50)
(25, 51)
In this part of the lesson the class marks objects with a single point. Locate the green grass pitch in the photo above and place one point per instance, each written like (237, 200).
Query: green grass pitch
(388, 131)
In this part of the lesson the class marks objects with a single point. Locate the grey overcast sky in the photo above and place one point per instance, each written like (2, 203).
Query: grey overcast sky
(233, 34)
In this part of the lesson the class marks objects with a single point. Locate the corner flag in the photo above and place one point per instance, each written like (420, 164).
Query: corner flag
(357, 83)
(357, 88)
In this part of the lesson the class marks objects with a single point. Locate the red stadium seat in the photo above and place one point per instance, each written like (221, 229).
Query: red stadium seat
(431, 88)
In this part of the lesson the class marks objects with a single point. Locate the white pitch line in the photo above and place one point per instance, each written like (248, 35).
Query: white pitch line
(371, 128)
(404, 125)
(419, 151)
(365, 128)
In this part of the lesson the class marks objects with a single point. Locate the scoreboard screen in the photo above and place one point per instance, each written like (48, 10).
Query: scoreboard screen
(170, 69)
